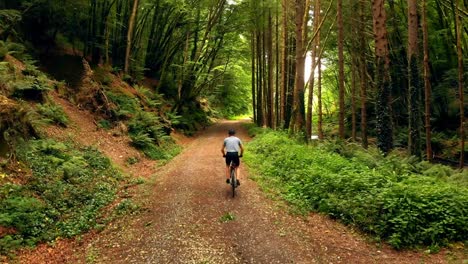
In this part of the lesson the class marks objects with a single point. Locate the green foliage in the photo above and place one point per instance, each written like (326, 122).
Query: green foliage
(147, 123)
(193, 118)
(31, 87)
(150, 98)
(132, 160)
(400, 200)
(104, 124)
(233, 98)
(18, 121)
(102, 76)
(53, 114)
(141, 140)
(126, 207)
(147, 133)
(3, 50)
(8, 19)
(62, 198)
(227, 217)
(126, 105)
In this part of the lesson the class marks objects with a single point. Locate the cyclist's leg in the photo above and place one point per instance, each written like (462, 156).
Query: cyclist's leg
(237, 162)
(227, 172)
(228, 162)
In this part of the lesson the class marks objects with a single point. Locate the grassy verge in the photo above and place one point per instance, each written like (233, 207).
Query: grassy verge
(61, 196)
(399, 200)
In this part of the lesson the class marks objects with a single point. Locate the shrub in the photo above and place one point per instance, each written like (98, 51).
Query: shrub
(400, 200)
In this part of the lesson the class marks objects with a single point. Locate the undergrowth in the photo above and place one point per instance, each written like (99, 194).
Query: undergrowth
(62, 197)
(400, 200)
(148, 130)
(53, 114)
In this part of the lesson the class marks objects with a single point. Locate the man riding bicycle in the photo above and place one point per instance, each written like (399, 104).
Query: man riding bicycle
(231, 147)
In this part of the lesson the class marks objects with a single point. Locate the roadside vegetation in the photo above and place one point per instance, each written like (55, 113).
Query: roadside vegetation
(395, 198)
(54, 190)
(51, 189)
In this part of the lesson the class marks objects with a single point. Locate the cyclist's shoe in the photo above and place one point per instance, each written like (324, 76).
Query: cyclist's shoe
(238, 183)
(227, 181)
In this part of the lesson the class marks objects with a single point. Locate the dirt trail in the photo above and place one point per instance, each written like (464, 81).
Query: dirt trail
(181, 222)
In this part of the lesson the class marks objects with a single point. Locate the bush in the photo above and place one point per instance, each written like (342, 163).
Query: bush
(62, 198)
(400, 200)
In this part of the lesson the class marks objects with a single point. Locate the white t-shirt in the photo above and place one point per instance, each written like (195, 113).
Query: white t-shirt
(232, 144)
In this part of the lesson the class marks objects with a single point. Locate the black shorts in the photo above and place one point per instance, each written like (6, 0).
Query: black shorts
(234, 157)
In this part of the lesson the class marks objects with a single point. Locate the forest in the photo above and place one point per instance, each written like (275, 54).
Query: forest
(377, 83)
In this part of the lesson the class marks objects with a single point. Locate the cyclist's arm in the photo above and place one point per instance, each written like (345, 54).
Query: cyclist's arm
(222, 150)
(241, 149)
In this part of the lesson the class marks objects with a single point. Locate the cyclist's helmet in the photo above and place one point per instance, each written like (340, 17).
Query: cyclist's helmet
(231, 132)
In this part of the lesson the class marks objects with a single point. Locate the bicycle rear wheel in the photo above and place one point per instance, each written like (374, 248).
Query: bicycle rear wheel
(233, 181)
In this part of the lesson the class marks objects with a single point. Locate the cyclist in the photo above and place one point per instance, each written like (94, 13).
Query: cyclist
(231, 147)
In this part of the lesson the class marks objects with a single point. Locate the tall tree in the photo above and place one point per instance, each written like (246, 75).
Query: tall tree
(363, 72)
(382, 77)
(254, 76)
(427, 83)
(270, 94)
(297, 117)
(341, 68)
(131, 26)
(353, 100)
(414, 110)
(319, 98)
(284, 61)
(460, 83)
(313, 63)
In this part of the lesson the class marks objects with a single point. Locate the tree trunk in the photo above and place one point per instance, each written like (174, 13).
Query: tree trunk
(319, 99)
(259, 80)
(414, 127)
(290, 81)
(253, 56)
(277, 72)
(363, 74)
(270, 103)
(284, 61)
(353, 101)
(314, 56)
(460, 84)
(265, 77)
(131, 26)
(341, 69)
(427, 83)
(297, 121)
(382, 78)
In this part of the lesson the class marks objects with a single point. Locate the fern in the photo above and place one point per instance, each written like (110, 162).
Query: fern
(10, 48)
(53, 113)
(141, 140)
(151, 98)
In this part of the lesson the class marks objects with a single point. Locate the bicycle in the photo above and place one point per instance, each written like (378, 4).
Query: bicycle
(233, 178)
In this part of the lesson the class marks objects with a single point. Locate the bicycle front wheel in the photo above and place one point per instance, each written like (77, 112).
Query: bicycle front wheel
(233, 181)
